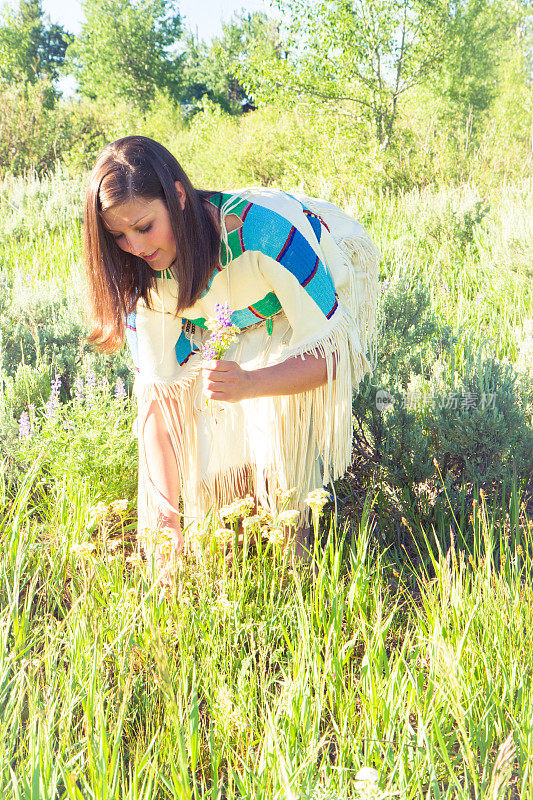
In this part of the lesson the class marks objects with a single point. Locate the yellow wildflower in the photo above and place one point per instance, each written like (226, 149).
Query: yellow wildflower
(146, 537)
(229, 513)
(135, 560)
(224, 701)
(285, 496)
(130, 600)
(227, 714)
(288, 517)
(367, 776)
(118, 507)
(222, 603)
(97, 514)
(317, 499)
(242, 507)
(265, 516)
(224, 535)
(112, 544)
(164, 539)
(83, 550)
(276, 536)
(245, 505)
(250, 522)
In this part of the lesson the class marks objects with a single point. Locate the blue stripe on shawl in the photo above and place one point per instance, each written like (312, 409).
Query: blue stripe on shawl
(131, 338)
(270, 233)
(243, 317)
(184, 349)
(315, 223)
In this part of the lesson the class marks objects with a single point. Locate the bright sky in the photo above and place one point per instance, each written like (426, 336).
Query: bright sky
(204, 15)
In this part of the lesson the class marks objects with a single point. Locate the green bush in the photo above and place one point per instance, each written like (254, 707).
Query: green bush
(33, 129)
(429, 415)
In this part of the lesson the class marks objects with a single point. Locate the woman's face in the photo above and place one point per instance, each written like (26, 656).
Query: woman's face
(141, 226)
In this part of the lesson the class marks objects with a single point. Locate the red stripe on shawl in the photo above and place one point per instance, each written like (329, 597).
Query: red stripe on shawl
(329, 316)
(312, 214)
(256, 313)
(287, 243)
(243, 217)
(246, 210)
(312, 275)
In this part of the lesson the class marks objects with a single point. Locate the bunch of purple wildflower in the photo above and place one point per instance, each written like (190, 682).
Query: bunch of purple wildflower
(223, 333)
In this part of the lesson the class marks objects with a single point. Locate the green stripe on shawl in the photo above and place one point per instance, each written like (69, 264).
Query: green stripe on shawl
(268, 305)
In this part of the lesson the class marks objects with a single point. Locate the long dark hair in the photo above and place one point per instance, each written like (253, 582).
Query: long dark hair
(138, 167)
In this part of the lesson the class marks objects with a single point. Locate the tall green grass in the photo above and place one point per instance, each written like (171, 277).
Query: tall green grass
(254, 681)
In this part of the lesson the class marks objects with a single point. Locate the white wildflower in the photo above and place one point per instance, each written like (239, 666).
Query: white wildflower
(366, 777)
(288, 517)
(317, 499)
(83, 550)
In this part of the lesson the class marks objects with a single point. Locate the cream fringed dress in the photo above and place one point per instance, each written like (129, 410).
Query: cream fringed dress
(300, 278)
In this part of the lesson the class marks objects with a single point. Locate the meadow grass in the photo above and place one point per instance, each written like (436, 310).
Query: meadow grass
(251, 680)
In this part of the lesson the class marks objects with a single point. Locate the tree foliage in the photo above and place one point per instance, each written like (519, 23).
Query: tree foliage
(484, 34)
(215, 70)
(31, 47)
(368, 54)
(128, 49)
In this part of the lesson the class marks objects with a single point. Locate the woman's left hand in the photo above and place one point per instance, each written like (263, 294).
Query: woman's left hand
(226, 381)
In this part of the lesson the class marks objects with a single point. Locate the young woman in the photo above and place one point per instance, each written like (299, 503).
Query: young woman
(299, 278)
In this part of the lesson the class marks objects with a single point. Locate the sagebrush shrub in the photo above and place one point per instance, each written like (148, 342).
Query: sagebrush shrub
(427, 415)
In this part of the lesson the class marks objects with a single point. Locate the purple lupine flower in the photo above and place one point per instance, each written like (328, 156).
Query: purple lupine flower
(209, 349)
(223, 333)
(222, 315)
(52, 404)
(24, 425)
(104, 384)
(90, 387)
(90, 379)
(79, 388)
(120, 389)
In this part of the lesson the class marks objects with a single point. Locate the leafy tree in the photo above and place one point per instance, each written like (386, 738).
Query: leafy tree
(128, 49)
(484, 34)
(240, 37)
(367, 52)
(214, 71)
(31, 47)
